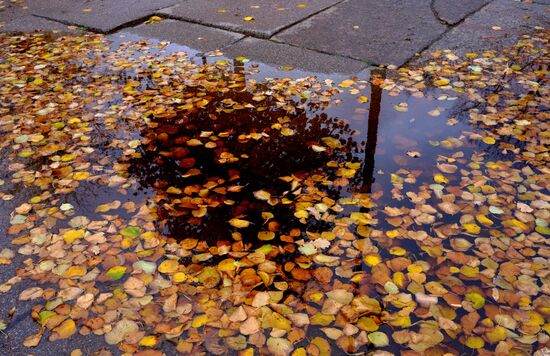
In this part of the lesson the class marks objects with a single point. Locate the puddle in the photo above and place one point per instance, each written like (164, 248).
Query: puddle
(237, 163)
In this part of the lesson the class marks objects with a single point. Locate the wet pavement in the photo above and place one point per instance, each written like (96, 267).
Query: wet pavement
(352, 32)
(385, 131)
(325, 39)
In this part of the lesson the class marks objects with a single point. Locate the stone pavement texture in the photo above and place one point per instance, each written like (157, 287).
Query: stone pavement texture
(313, 35)
(373, 31)
(269, 17)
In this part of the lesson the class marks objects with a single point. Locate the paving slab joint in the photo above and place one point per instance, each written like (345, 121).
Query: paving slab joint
(307, 17)
(449, 28)
(437, 16)
(368, 64)
(132, 23)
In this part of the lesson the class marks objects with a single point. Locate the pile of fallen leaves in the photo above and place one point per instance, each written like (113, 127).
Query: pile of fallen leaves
(233, 222)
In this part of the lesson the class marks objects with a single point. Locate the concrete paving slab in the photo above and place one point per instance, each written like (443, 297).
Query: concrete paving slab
(453, 11)
(30, 23)
(10, 11)
(198, 37)
(97, 15)
(376, 31)
(277, 54)
(496, 26)
(269, 17)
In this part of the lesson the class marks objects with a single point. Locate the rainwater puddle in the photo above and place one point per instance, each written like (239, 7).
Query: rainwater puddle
(291, 187)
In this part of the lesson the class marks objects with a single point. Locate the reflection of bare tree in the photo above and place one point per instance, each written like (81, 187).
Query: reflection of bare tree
(259, 160)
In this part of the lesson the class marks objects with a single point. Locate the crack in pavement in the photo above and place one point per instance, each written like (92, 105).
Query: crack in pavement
(449, 28)
(436, 14)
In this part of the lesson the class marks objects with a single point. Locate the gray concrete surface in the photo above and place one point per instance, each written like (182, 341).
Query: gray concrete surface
(340, 33)
(269, 17)
(29, 23)
(497, 25)
(393, 31)
(196, 36)
(277, 54)
(97, 15)
(453, 11)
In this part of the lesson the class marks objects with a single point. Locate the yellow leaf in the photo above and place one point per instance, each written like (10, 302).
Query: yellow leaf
(398, 251)
(81, 175)
(103, 208)
(483, 220)
(239, 223)
(346, 83)
(489, 140)
(477, 300)
(497, 334)
(116, 273)
(392, 234)
(276, 320)
(440, 178)
(153, 19)
(363, 99)
(199, 320)
(148, 341)
(475, 342)
(367, 324)
(262, 195)
(372, 260)
(68, 157)
(322, 319)
(173, 190)
(472, 228)
(75, 271)
(248, 18)
(227, 265)
(516, 223)
(287, 131)
(65, 330)
(168, 266)
(179, 277)
(441, 82)
(72, 235)
(469, 271)
(266, 235)
(363, 230)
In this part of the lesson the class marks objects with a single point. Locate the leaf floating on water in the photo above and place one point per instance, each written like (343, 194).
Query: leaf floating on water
(131, 231)
(346, 83)
(279, 346)
(448, 245)
(116, 273)
(378, 339)
(168, 266)
(64, 331)
(475, 342)
(73, 235)
(239, 223)
(262, 195)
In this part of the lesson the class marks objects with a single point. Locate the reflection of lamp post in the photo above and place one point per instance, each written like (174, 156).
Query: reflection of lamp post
(372, 130)
(238, 66)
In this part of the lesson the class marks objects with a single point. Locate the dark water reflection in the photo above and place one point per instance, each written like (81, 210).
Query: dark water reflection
(373, 134)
